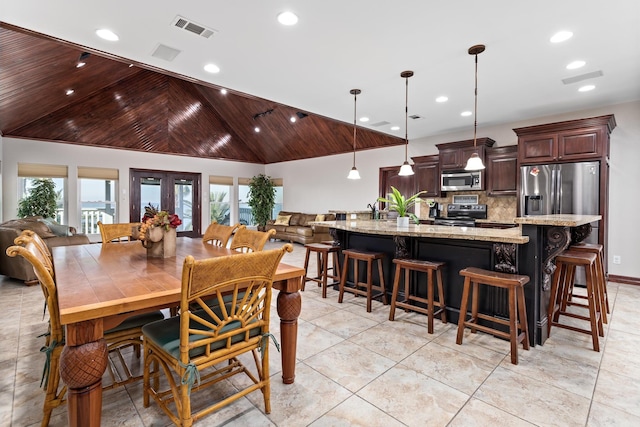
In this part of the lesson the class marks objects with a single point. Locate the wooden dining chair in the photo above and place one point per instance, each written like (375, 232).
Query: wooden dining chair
(128, 333)
(117, 232)
(40, 244)
(202, 346)
(219, 234)
(246, 240)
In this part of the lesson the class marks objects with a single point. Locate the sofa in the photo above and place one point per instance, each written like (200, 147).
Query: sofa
(52, 233)
(295, 227)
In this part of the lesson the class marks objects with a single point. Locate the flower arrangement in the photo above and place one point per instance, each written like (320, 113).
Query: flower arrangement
(154, 218)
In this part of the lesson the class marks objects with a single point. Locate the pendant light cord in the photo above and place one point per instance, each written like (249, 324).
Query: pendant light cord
(406, 119)
(355, 100)
(475, 107)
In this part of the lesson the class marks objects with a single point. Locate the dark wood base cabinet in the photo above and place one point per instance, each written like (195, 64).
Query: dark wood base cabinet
(459, 254)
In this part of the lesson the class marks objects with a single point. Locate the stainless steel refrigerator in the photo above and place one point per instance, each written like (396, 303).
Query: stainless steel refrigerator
(568, 188)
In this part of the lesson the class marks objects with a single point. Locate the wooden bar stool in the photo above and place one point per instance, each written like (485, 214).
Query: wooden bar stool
(369, 287)
(514, 283)
(428, 267)
(322, 252)
(597, 249)
(560, 297)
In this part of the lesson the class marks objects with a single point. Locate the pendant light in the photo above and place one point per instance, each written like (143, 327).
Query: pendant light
(475, 162)
(353, 173)
(406, 168)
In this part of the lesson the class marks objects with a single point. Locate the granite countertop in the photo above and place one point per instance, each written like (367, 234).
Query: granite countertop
(508, 235)
(368, 211)
(496, 221)
(560, 220)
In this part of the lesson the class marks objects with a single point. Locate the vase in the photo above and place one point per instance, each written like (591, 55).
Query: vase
(161, 243)
(403, 221)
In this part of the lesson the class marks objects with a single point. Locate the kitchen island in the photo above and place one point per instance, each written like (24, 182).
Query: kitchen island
(523, 250)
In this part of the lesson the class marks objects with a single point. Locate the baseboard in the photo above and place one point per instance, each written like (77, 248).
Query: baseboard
(624, 279)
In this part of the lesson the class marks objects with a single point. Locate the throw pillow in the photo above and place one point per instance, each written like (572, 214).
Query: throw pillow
(38, 227)
(57, 229)
(319, 217)
(282, 220)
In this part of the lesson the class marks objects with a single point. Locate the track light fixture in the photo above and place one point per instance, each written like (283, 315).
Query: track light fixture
(264, 113)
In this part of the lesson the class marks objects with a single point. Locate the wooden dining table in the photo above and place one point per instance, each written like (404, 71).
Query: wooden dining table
(101, 285)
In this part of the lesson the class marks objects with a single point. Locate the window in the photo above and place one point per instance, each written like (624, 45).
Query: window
(28, 172)
(98, 196)
(245, 215)
(220, 188)
(279, 202)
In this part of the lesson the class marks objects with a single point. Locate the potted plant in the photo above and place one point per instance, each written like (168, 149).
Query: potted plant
(262, 198)
(397, 202)
(40, 201)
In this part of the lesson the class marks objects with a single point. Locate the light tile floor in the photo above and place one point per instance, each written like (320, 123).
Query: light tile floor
(357, 368)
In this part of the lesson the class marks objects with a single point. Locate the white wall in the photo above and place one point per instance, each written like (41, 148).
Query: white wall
(16, 151)
(318, 185)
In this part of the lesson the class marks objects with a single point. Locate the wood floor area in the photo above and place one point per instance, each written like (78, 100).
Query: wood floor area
(359, 369)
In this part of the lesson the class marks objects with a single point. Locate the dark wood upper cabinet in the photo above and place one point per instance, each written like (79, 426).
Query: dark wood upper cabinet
(427, 175)
(502, 171)
(454, 155)
(572, 141)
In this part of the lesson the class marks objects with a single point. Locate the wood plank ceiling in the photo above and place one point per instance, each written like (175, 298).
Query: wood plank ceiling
(120, 106)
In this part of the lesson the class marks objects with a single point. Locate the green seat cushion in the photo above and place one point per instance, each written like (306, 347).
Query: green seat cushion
(166, 334)
(137, 321)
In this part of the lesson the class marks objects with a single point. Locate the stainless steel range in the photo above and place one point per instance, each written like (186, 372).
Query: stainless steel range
(463, 215)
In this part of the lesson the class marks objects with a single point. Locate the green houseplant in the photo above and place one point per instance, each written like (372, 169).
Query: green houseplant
(40, 201)
(262, 198)
(397, 202)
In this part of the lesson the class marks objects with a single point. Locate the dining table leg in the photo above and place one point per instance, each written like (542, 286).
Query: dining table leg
(82, 363)
(289, 305)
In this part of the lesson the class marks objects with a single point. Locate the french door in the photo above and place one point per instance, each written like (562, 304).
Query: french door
(174, 192)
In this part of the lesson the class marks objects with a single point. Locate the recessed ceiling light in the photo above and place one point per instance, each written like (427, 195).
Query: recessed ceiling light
(256, 129)
(80, 64)
(466, 113)
(103, 33)
(69, 92)
(287, 18)
(223, 91)
(292, 119)
(395, 127)
(561, 36)
(212, 68)
(575, 64)
(364, 119)
(442, 99)
(586, 88)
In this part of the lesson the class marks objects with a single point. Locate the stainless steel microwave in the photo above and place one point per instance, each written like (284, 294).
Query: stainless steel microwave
(460, 181)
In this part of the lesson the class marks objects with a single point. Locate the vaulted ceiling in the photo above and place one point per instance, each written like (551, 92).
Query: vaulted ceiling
(121, 106)
(310, 67)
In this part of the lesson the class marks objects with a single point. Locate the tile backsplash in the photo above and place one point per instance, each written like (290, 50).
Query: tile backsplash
(499, 209)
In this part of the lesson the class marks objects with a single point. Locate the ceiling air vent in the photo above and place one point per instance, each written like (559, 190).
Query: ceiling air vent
(192, 27)
(165, 52)
(415, 117)
(582, 77)
(378, 124)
